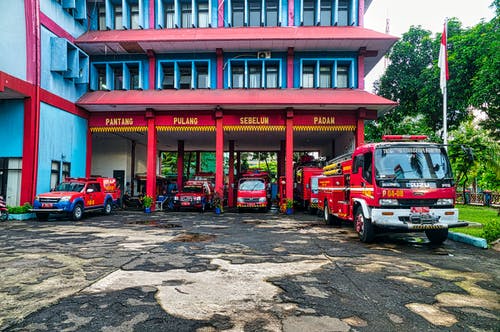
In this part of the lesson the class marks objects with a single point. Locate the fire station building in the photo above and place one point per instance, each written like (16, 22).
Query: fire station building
(103, 86)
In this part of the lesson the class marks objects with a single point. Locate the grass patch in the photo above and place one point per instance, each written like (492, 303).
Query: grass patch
(486, 216)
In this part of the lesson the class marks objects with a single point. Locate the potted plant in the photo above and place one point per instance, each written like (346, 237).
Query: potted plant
(22, 212)
(289, 206)
(147, 201)
(217, 203)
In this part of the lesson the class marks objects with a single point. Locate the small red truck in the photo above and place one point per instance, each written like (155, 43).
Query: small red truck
(402, 184)
(195, 194)
(253, 191)
(74, 196)
(303, 186)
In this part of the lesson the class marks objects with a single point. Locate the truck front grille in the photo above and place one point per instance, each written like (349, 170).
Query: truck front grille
(48, 200)
(417, 202)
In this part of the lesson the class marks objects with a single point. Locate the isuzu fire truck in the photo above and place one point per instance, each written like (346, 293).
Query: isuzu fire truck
(303, 186)
(402, 184)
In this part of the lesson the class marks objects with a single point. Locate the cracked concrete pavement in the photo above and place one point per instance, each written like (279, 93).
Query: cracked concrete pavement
(237, 272)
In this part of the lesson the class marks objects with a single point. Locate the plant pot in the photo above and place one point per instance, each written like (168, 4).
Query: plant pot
(147, 210)
(289, 211)
(217, 210)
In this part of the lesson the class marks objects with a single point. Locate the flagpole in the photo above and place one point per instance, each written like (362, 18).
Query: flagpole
(445, 95)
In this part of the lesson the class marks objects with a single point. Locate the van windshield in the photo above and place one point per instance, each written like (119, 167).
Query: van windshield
(413, 163)
(251, 184)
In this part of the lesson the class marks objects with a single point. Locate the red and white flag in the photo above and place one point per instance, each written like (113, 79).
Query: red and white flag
(443, 62)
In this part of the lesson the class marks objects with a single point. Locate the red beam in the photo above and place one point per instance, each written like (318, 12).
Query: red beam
(151, 160)
(55, 28)
(61, 103)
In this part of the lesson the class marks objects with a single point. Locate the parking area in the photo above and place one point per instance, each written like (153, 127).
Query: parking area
(190, 271)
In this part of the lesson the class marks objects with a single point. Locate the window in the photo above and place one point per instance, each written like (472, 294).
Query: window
(66, 171)
(183, 14)
(327, 12)
(237, 77)
(254, 74)
(101, 21)
(55, 173)
(327, 73)
(118, 15)
(238, 12)
(116, 76)
(184, 74)
(186, 15)
(135, 22)
(254, 13)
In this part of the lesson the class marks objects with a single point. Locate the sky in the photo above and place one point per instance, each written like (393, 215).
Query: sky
(430, 14)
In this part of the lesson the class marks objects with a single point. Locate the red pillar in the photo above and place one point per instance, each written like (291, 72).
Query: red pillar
(289, 66)
(230, 195)
(152, 69)
(289, 154)
(361, 69)
(151, 156)
(361, 13)
(88, 163)
(360, 128)
(180, 164)
(152, 14)
(219, 154)
(220, 68)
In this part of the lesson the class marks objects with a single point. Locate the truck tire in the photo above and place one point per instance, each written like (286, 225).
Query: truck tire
(364, 227)
(437, 236)
(326, 214)
(41, 216)
(108, 207)
(77, 212)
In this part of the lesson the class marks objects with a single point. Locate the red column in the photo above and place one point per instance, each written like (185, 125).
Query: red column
(291, 14)
(151, 156)
(361, 69)
(289, 154)
(360, 128)
(220, 68)
(152, 69)
(219, 154)
(180, 164)
(289, 67)
(361, 13)
(230, 195)
(152, 14)
(88, 164)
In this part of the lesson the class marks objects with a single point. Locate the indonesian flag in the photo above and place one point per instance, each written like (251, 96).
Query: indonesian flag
(443, 62)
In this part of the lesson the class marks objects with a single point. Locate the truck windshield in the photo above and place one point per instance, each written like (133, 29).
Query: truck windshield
(251, 185)
(70, 186)
(193, 189)
(419, 162)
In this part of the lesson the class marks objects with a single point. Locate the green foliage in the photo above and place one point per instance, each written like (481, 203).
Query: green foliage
(486, 216)
(147, 201)
(25, 208)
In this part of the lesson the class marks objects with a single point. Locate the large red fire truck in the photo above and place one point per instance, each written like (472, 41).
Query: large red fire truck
(303, 186)
(402, 184)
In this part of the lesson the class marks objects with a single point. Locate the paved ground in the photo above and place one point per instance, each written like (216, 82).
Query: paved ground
(237, 272)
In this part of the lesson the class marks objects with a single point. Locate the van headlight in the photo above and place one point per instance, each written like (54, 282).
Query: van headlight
(65, 199)
(262, 200)
(388, 201)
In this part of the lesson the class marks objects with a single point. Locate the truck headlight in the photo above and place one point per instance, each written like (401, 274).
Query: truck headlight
(198, 198)
(445, 201)
(262, 200)
(176, 198)
(240, 200)
(65, 199)
(388, 201)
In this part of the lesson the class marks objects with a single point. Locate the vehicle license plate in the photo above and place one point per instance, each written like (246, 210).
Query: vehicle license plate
(47, 205)
(420, 209)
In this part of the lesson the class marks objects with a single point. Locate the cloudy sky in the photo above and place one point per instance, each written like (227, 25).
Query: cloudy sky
(430, 14)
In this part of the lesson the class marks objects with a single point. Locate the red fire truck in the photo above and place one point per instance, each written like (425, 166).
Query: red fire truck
(402, 184)
(253, 191)
(303, 186)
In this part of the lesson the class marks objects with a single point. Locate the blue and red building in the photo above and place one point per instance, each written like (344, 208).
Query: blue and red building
(103, 86)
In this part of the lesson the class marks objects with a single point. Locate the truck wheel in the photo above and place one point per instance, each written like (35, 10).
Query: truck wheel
(437, 236)
(77, 213)
(326, 214)
(364, 227)
(42, 216)
(108, 207)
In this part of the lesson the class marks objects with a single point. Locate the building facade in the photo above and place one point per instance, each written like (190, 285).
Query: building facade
(102, 86)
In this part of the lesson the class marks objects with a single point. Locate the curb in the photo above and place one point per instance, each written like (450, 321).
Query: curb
(468, 239)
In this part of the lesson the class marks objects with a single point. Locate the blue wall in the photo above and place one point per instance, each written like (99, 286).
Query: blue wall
(13, 38)
(11, 128)
(55, 12)
(61, 133)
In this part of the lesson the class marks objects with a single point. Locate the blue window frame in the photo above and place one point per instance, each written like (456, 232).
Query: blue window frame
(328, 12)
(254, 73)
(119, 14)
(254, 13)
(184, 74)
(117, 75)
(327, 73)
(184, 13)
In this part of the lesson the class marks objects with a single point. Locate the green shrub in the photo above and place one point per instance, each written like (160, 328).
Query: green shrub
(491, 230)
(20, 209)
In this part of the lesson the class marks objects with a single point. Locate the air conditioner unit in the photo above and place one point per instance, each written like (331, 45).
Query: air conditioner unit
(264, 54)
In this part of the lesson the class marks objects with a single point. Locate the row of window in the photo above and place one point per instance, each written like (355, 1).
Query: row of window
(241, 74)
(133, 14)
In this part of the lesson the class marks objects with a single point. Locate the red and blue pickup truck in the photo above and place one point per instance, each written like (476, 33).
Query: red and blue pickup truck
(75, 196)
